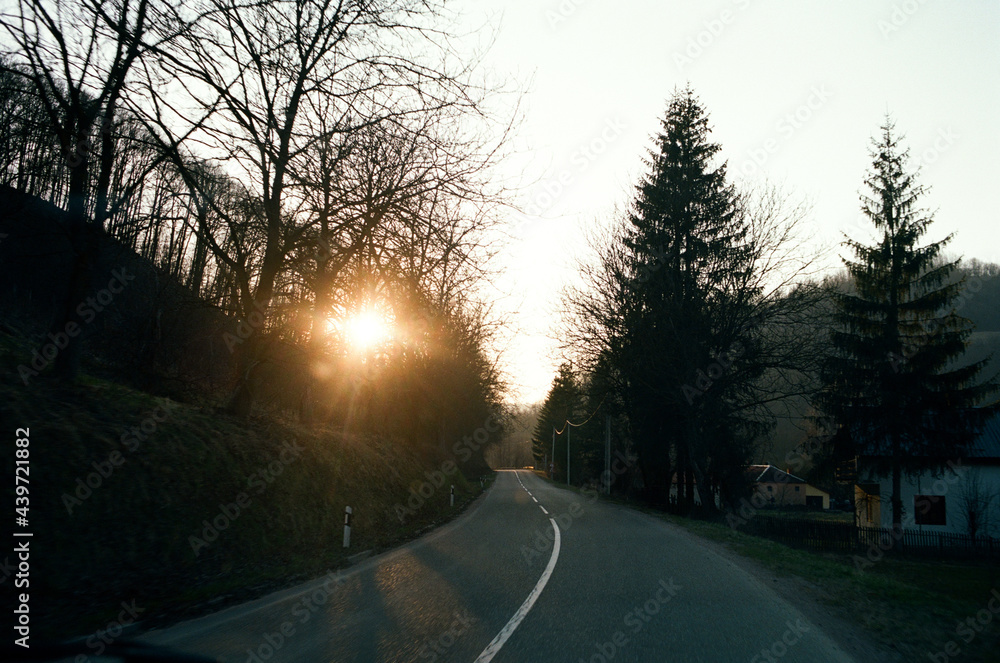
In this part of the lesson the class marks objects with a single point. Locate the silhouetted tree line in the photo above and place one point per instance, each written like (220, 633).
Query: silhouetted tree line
(701, 320)
(285, 163)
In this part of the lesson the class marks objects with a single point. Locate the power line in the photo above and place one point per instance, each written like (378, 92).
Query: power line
(593, 414)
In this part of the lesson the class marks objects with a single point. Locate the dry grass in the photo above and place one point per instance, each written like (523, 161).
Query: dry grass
(913, 606)
(131, 537)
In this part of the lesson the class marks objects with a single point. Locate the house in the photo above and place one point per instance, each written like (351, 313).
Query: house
(779, 488)
(960, 496)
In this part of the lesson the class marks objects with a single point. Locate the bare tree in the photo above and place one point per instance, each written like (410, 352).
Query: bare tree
(243, 87)
(976, 502)
(764, 330)
(31, 160)
(76, 56)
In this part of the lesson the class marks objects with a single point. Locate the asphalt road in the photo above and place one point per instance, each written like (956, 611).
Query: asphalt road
(529, 573)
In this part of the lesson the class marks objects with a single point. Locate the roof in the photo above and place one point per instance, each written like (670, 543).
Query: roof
(986, 445)
(771, 474)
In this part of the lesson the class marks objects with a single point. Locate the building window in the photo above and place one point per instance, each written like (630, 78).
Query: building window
(929, 509)
(796, 489)
(770, 488)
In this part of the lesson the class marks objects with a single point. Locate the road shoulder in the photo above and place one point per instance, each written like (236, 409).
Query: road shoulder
(807, 597)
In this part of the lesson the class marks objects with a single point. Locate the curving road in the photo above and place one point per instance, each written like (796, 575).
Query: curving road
(530, 573)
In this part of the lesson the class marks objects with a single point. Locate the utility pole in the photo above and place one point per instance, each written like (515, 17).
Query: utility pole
(568, 438)
(552, 473)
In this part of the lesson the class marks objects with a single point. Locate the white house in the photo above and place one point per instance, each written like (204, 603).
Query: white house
(961, 497)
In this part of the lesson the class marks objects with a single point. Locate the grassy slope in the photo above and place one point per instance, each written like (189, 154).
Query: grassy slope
(130, 539)
(910, 605)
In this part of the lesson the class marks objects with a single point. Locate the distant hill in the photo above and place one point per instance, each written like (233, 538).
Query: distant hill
(154, 334)
(981, 305)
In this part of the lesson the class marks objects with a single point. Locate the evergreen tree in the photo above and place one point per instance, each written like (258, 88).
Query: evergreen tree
(685, 246)
(892, 383)
(562, 404)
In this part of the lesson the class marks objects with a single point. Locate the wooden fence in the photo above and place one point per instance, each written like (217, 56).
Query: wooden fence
(849, 538)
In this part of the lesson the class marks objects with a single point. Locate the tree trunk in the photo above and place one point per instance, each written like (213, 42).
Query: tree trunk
(242, 400)
(897, 498)
(321, 305)
(85, 244)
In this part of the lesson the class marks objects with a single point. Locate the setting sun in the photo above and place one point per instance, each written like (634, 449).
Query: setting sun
(366, 329)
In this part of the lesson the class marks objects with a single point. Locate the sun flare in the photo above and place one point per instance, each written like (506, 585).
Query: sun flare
(365, 329)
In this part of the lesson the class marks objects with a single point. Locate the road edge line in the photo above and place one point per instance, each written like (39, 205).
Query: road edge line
(498, 642)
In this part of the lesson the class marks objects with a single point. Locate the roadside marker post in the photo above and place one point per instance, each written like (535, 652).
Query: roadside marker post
(453, 494)
(347, 526)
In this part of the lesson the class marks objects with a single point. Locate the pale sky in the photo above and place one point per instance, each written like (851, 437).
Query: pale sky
(794, 91)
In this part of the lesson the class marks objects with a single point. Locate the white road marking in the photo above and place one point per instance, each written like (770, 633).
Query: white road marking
(522, 612)
(543, 509)
(534, 498)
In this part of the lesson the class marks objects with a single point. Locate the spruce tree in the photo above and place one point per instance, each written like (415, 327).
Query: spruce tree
(685, 241)
(562, 403)
(893, 383)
